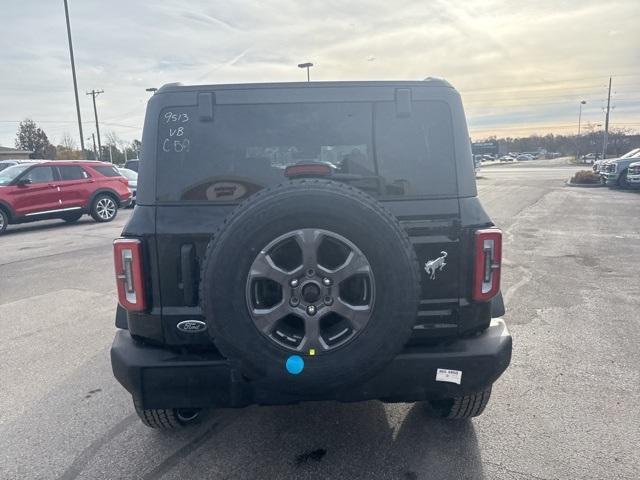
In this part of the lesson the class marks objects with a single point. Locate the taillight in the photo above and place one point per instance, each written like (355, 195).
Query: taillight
(488, 262)
(307, 170)
(129, 273)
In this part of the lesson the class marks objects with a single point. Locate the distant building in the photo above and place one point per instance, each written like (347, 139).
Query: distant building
(489, 147)
(13, 154)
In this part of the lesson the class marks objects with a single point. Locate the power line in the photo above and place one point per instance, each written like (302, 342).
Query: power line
(548, 83)
(68, 121)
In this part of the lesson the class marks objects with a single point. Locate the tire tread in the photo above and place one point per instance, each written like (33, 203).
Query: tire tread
(470, 405)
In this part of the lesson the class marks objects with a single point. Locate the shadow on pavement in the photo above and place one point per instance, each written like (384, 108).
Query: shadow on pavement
(18, 228)
(325, 440)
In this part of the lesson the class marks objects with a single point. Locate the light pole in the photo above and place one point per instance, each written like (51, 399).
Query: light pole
(606, 124)
(73, 73)
(582, 102)
(307, 65)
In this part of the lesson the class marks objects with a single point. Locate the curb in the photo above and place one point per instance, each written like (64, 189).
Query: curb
(583, 185)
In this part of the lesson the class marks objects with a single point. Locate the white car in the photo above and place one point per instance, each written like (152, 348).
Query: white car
(133, 182)
(633, 174)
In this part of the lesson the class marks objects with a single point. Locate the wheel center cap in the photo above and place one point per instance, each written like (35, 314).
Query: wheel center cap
(311, 292)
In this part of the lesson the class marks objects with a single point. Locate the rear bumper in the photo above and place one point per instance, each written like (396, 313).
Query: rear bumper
(160, 378)
(125, 202)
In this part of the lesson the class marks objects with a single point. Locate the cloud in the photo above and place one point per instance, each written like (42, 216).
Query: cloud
(518, 64)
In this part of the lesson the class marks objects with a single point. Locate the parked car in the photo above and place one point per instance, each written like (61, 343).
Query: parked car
(32, 191)
(133, 182)
(289, 297)
(477, 163)
(524, 157)
(590, 158)
(614, 171)
(507, 158)
(597, 165)
(132, 164)
(10, 163)
(633, 175)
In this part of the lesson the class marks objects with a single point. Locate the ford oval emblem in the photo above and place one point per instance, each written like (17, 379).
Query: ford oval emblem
(192, 326)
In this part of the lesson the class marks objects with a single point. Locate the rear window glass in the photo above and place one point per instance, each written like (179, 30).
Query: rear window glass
(248, 147)
(107, 171)
(73, 172)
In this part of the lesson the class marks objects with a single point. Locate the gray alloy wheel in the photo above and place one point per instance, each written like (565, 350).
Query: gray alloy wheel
(310, 289)
(104, 208)
(4, 221)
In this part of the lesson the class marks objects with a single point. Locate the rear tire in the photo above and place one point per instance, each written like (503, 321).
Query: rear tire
(4, 221)
(459, 408)
(169, 418)
(104, 208)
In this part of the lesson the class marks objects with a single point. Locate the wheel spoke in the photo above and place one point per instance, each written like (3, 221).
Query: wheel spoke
(263, 267)
(357, 315)
(309, 240)
(312, 339)
(266, 318)
(356, 263)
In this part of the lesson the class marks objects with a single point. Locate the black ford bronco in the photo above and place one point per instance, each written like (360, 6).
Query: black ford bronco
(307, 241)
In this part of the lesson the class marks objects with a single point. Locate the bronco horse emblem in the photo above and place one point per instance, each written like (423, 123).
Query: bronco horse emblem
(432, 265)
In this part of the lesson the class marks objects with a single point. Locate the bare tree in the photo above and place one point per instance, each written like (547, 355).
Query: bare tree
(112, 138)
(67, 141)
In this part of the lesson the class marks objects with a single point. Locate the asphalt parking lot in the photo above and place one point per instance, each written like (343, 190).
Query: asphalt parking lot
(567, 408)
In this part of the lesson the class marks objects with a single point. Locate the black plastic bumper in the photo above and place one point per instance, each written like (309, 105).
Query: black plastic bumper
(159, 378)
(124, 203)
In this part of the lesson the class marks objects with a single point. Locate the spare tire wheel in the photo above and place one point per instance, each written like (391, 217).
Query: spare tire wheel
(315, 269)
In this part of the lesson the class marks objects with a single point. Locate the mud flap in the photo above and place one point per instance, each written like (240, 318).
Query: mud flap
(497, 306)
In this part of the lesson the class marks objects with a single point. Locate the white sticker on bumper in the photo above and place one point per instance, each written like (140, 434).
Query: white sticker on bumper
(452, 376)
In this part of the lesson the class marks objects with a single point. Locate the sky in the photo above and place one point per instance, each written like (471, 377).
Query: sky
(522, 67)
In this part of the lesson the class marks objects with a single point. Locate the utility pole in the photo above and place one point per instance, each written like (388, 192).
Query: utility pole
(73, 73)
(95, 155)
(94, 94)
(606, 123)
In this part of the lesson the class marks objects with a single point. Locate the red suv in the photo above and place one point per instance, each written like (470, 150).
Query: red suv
(42, 190)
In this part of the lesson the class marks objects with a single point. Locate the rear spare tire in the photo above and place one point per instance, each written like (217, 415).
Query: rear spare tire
(310, 286)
